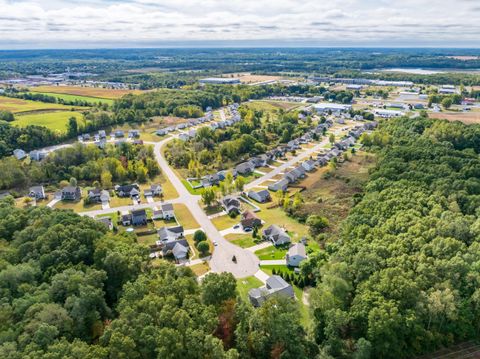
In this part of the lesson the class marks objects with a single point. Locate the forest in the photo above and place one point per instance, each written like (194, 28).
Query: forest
(403, 277)
(71, 290)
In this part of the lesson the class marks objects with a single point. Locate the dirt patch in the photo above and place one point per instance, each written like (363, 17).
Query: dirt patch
(468, 118)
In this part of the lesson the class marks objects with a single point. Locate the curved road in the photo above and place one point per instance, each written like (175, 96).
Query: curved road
(221, 261)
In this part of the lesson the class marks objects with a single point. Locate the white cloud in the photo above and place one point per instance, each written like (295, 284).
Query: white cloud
(356, 22)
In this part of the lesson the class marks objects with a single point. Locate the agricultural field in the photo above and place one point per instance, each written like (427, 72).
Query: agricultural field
(468, 118)
(68, 97)
(98, 92)
(55, 121)
(17, 106)
(273, 105)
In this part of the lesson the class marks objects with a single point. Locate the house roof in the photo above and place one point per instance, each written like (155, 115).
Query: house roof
(36, 189)
(297, 249)
(69, 189)
(139, 212)
(167, 207)
(276, 282)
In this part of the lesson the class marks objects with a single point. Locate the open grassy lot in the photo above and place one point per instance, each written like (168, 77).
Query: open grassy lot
(468, 118)
(273, 105)
(271, 253)
(85, 91)
(245, 284)
(224, 222)
(277, 216)
(200, 269)
(241, 240)
(68, 97)
(16, 105)
(56, 121)
(184, 216)
(77, 206)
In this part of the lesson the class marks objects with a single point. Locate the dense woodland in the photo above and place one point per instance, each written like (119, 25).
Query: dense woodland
(403, 277)
(70, 290)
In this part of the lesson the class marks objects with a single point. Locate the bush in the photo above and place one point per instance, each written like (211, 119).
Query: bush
(199, 236)
(203, 247)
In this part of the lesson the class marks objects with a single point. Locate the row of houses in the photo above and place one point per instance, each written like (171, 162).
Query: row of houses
(184, 125)
(139, 217)
(171, 242)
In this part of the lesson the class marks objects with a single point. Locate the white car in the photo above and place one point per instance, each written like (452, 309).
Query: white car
(215, 243)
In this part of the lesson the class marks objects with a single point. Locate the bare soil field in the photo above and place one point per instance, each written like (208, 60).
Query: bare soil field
(468, 118)
(247, 78)
(99, 92)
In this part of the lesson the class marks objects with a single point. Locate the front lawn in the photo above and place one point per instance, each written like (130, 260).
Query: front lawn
(271, 253)
(241, 240)
(200, 269)
(225, 221)
(185, 217)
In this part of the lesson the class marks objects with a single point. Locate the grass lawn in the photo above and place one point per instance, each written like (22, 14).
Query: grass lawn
(68, 97)
(193, 191)
(241, 240)
(148, 239)
(119, 201)
(184, 216)
(245, 284)
(278, 267)
(17, 105)
(277, 216)
(77, 206)
(56, 121)
(270, 253)
(224, 222)
(200, 269)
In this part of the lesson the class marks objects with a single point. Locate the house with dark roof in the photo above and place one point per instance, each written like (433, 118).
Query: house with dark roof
(178, 248)
(106, 221)
(296, 254)
(71, 193)
(133, 134)
(274, 286)
(309, 165)
(139, 217)
(37, 193)
(245, 168)
(250, 220)
(231, 204)
(261, 196)
(276, 235)
(129, 190)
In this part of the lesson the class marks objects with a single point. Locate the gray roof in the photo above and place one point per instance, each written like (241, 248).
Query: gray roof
(167, 207)
(276, 282)
(297, 249)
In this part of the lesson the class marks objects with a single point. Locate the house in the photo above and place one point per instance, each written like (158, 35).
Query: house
(154, 190)
(168, 234)
(126, 218)
(100, 143)
(276, 235)
(281, 185)
(231, 204)
(275, 285)
(296, 254)
(133, 134)
(329, 107)
(71, 193)
(119, 134)
(107, 221)
(129, 190)
(19, 154)
(250, 220)
(165, 212)
(183, 137)
(98, 195)
(211, 180)
(244, 168)
(102, 134)
(139, 217)
(308, 165)
(36, 155)
(37, 192)
(161, 132)
(178, 248)
(260, 196)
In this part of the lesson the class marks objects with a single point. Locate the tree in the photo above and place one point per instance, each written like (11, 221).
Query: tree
(199, 236)
(73, 182)
(6, 116)
(331, 138)
(106, 179)
(447, 103)
(316, 224)
(203, 247)
(218, 288)
(208, 196)
(72, 127)
(240, 183)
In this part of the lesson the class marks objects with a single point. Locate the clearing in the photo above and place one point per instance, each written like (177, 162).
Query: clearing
(273, 105)
(16, 105)
(468, 118)
(55, 121)
(99, 92)
(68, 97)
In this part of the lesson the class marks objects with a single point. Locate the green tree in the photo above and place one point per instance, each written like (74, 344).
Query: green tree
(208, 196)
(218, 288)
(199, 236)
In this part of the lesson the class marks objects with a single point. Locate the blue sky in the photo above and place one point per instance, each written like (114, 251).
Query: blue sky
(138, 23)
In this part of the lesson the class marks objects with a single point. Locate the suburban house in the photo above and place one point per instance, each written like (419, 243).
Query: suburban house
(126, 218)
(275, 285)
(295, 174)
(164, 212)
(19, 154)
(37, 192)
(281, 185)
(260, 196)
(102, 134)
(276, 235)
(250, 220)
(71, 193)
(119, 134)
(133, 134)
(37, 155)
(296, 254)
(139, 217)
(308, 165)
(98, 195)
(244, 168)
(178, 248)
(153, 191)
(107, 221)
(166, 234)
(231, 204)
(129, 190)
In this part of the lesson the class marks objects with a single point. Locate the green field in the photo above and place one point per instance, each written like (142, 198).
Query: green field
(56, 121)
(17, 105)
(68, 97)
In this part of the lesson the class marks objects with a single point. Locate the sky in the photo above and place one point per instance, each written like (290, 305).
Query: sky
(163, 23)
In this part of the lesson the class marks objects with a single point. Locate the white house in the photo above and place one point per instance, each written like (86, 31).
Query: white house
(296, 254)
(308, 165)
